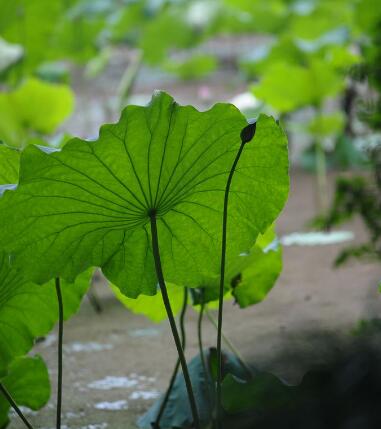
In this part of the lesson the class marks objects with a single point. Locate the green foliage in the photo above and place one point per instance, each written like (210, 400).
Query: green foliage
(326, 125)
(49, 30)
(249, 278)
(368, 15)
(152, 306)
(90, 203)
(10, 54)
(28, 311)
(28, 383)
(263, 393)
(165, 31)
(196, 67)
(30, 24)
(284, 50)
(33, 107)
(264, 17)
(359, 195)
(356, 196)
(177, 412)
(305, 86)
(258, 277)
(321, 20)
(9, 164)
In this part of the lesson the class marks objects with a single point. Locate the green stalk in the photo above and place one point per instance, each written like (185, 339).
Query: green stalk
(156, 425)
(167, 304)
(246, 135)
(13, 404)
(199, 336)
(60, 342)
(201, 349)
(128, 79)
(321, 172)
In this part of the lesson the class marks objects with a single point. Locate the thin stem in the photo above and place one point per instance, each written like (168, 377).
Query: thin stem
(60, 341)
(201, 349)
(13, 404)
(321, 172)
(167, 304)
(156, 425)
(222, 283)
(231, 346)
(199, 336)
(128, 79)
(94, 301)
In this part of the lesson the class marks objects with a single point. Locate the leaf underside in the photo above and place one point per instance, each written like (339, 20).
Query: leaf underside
(89, 204)
(28, 310)
(9, 164)
(28, 383)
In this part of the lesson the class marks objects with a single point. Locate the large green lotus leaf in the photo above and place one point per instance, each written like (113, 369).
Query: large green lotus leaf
(152, 306)
(89, 204)
(28, 383)
(28, 310)
(305, 85)
(9, 164)
(34, 106)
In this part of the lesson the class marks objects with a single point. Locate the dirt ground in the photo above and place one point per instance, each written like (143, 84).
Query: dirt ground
(310, 301)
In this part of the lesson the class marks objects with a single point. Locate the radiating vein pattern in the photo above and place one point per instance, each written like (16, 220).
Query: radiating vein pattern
(88, 204)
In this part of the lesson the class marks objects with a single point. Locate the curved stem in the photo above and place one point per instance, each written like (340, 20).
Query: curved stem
(60, 341)
(167, 304)
(13, 404)
(222, 283)
(199, 336)
(201, 350)
(156, 425)
(128, 79)
(182, 319)
(321, 174)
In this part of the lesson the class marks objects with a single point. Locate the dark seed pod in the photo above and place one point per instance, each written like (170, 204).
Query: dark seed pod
(248, 132)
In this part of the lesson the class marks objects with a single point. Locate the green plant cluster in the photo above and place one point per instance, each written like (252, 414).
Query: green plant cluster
(145, 203)
(361, 195)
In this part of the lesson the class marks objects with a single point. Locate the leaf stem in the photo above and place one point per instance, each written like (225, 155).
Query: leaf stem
(167, 304)
(201, 351)
(128, 79)
(13, 404)
(321, 173)
(60, 342)
(156, 425)
(199, 337)
(246, 135)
